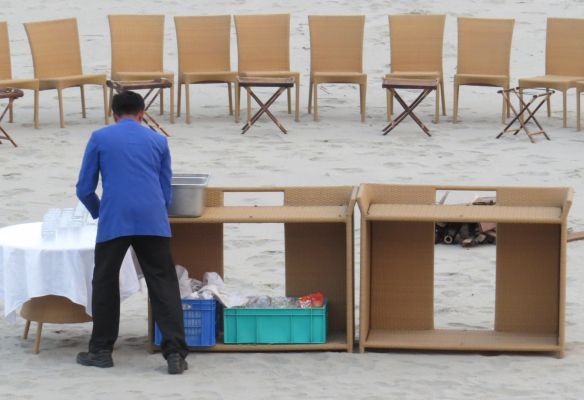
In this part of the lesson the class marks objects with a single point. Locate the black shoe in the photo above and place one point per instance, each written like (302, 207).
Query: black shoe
(100, 359)
(176, 364)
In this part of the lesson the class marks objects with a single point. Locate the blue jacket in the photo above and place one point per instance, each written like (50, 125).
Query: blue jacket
(134, 163)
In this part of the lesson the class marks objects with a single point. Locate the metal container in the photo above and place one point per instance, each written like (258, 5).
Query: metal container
(188, 195)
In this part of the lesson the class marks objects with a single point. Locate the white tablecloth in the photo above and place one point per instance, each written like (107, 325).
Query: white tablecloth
(31, 266)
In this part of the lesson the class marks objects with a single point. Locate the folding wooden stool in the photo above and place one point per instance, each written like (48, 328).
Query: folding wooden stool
(524, 109)
(426, 85)
(154, 88)
(282, 84)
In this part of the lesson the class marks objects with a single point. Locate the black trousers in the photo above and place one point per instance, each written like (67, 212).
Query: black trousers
(153, 253)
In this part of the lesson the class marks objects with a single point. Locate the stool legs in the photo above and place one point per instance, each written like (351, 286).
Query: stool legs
(37, 342)
(11, 112)
(26, 329)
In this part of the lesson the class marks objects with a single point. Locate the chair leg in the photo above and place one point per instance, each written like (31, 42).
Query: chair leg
(455, 106)
(363, 98)
(61, 114)
(248, 106)
(437, 105)
(565, 107)
(36, 109)
(161, 94)
(37, 343)
(297, 117)
(111, 97)
(83, 112)
(289, 93)
(11, 113)
(521, 119)
(171, 111)
(549, 105)
(26, 329)
(188, 102)
(387, 106)
(443, 96)
(315, 94)
(310, 97)
(237, 101)
(578, 93)
(504, 107)
(230, 98)
(178, 99)
(105, 105)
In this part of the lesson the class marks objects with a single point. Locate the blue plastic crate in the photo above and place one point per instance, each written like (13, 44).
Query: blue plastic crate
(200, 319)
(274, 326)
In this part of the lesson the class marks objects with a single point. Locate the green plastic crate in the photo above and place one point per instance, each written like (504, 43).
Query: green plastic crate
(274, 326)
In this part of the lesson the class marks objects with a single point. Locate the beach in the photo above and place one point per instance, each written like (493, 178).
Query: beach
(338, 150)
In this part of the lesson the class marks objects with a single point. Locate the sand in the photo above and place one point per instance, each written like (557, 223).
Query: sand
(339, 150)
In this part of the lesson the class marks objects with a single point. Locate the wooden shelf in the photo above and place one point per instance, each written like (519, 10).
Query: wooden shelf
(458, 213)
(446, 339)
(266, 214)
(336, 341)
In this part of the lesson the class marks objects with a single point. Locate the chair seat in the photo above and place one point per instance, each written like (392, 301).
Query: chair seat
(414, 75)
(339, 77)
(201, 77)
(482, 80)
(557, 82)
(32, 84)
(63, 82)
(270, 74)
(139, 76)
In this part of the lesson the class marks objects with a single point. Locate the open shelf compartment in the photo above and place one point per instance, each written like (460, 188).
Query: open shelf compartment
(318, 244)
(397, 268)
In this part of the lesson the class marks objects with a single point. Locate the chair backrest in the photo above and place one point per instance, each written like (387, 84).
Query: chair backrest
(55, 48)
(565, 47)
(5, 66)
(416, 42)
(263, 42)
(484, 45)
(137, 43)
(336, 43)
(203, 43)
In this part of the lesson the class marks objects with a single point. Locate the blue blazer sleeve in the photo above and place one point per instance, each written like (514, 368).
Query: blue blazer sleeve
(88, 178)
(166, 175)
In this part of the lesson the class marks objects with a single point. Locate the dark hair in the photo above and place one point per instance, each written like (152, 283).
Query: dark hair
(127, 103)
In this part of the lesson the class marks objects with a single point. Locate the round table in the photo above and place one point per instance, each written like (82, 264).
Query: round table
(52, 277)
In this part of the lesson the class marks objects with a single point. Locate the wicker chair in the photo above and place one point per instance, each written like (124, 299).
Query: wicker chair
(416, 52)
(56, 56)
(564, 59)
(137, 44)
(263, 50)
(6, 79)
(336, 55)
(484, 53)
(203, 54)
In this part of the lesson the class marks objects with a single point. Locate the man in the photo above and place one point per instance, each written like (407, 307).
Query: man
(134, 163)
